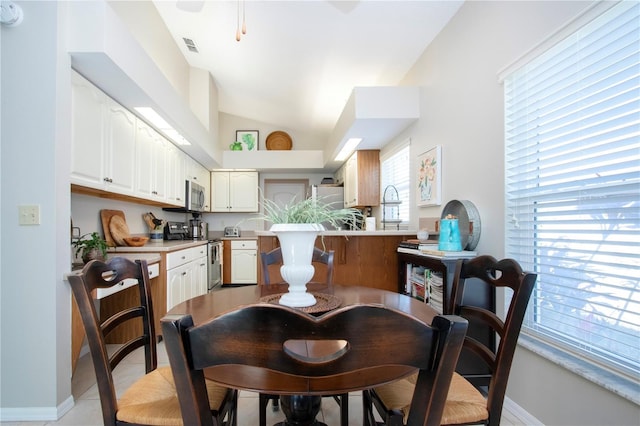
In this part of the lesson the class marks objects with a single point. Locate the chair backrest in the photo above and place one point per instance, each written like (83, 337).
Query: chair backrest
(274, 257)
(503, 273)
(375, 336)
(95, 275)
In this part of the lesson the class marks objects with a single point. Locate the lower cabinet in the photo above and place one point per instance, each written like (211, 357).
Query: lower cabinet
(186, 274)
(244, 262)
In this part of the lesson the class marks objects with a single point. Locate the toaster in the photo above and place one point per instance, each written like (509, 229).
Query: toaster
(231, 231)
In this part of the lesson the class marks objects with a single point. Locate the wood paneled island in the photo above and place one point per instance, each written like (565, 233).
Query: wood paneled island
(364, 258)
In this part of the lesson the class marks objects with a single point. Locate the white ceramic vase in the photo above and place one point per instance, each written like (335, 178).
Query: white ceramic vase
(296, 242)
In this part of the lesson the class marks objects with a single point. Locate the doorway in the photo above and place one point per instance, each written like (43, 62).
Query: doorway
(283, 191)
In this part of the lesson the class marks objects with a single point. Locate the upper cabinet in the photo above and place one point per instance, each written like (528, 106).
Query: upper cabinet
(115, 151)
(361, 174)
(198, 173)
(101, 129)
(234, 191)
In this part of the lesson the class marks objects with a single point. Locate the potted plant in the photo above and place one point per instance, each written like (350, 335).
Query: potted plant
(94, 247)
(297, 225)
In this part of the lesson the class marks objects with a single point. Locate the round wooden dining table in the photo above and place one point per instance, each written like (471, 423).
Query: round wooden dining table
(246, 377)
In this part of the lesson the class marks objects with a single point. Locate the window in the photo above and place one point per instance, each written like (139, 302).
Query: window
(572, 126)
(395, 171)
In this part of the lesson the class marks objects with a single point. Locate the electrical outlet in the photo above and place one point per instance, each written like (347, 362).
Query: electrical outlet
(28, 215)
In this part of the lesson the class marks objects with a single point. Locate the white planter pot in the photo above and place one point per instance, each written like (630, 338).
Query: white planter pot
(296, 242)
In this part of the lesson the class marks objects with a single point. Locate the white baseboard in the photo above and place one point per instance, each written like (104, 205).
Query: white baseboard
(520, 413)
(26, 414)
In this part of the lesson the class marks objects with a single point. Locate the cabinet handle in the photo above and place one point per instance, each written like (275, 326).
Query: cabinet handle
(184, 273)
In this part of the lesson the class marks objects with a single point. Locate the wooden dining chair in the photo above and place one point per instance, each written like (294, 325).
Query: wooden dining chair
(254, 335)
(152, 399)
(465, 403)
(274, 257)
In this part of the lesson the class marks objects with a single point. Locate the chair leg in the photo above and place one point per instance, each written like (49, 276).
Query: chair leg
(263, 401)
(344, 409)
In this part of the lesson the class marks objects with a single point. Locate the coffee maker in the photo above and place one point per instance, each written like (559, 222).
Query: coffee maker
(198, 230)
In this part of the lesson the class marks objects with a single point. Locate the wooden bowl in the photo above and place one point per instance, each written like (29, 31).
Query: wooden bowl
(136, 241)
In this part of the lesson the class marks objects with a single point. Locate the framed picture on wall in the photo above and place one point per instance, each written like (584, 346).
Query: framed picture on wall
(429, 171)
(248, 140)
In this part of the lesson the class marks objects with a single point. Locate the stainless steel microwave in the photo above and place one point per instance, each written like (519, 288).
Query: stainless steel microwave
(194, 194)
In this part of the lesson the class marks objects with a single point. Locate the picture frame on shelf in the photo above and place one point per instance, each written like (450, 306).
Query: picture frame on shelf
(429, 171)
(248, 140)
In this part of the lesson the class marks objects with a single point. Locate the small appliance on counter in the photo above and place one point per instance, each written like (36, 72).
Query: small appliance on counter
(198, 230)
(176, 231)
(232, 232)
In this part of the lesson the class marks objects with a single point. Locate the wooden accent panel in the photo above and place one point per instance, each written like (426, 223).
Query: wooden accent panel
(369, 261)
(77, 334)
(226, 262)
(368, 177)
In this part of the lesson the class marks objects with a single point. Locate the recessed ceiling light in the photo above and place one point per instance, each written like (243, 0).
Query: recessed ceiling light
(348, 148)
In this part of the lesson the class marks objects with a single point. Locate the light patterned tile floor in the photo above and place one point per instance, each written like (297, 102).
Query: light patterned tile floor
(87, 412)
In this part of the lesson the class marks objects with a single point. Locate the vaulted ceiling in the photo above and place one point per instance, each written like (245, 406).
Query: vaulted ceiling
(299, 61)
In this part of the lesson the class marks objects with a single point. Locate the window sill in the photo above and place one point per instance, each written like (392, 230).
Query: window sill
(620, 385)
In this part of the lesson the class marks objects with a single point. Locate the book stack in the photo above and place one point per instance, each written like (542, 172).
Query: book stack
(417, 282)
(436, 291)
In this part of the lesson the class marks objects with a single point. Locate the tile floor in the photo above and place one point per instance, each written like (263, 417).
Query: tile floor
(86, 411)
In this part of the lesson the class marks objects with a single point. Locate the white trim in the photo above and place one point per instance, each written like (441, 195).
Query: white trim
(29, 414)
(394, 148)
(587, 15)
(520, 413)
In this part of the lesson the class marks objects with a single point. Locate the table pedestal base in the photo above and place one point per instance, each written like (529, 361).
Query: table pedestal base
(300, 410)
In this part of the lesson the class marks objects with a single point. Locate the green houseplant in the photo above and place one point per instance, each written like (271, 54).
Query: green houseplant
(94, 247)
(297, 224)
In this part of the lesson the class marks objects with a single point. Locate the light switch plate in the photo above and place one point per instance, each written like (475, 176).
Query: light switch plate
(29, 215)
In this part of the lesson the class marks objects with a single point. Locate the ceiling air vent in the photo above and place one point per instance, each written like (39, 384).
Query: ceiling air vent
(190, 44)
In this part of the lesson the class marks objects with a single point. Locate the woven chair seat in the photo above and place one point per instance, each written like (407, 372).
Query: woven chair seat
(465, 404)
(153, 400)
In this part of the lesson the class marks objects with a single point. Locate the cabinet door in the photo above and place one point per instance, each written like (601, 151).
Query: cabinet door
(201, 276)
(219, 191)
(120, 149)
(175, 175)
(243, 191)
(87, 133)
(244, 266)
(145, 146)
(351, 181)
(175, 286)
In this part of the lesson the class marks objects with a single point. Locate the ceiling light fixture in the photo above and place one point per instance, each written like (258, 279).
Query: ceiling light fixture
(347, 149)
(244, 23)
(161, 124)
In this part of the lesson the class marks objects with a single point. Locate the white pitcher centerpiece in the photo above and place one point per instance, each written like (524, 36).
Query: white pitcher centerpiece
(297, 225)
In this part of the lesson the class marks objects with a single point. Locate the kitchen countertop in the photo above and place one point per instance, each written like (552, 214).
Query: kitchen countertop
(162, 246)
(376, 233)
(151, 258)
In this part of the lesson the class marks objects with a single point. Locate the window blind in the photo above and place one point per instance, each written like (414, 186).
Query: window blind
(395, 171)
(572, 129)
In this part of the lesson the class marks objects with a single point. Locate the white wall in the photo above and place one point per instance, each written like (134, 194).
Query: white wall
(462, 110)
(35, 355)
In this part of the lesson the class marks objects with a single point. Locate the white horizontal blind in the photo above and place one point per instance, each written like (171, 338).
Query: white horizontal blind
(395, 171)
(572, 125)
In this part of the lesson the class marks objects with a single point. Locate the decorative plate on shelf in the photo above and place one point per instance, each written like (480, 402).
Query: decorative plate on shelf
(279, 140)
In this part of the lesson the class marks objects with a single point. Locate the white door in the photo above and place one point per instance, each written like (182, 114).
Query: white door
(285, 191)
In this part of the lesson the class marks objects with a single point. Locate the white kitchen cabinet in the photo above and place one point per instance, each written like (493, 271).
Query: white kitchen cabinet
(186, 274)
(244, 262)
(234, 191)
(101, 130)
(176, 163)
(151, 156)
(362, 179)
(199, 174)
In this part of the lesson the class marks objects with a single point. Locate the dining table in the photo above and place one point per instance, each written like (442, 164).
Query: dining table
(300, 396)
